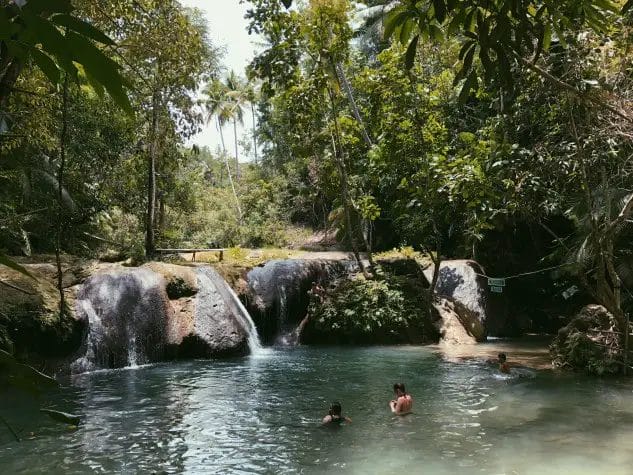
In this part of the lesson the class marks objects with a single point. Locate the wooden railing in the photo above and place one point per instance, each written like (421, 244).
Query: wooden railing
(220, 252)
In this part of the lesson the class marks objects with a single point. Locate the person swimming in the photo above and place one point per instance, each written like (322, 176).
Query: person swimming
(403, 402)
(504, 366)
(334, 416)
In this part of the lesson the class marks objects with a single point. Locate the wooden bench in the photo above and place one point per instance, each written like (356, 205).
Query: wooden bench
(220, 252)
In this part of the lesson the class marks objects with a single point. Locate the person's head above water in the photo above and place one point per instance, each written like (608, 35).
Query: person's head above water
(398, 388)
(335, 409)
(502, 357)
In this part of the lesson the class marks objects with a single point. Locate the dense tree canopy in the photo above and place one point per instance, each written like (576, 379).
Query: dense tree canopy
(496, 130)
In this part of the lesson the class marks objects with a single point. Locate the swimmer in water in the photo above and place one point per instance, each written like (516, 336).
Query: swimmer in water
(334, 416)
(403, 402)
(504, 366)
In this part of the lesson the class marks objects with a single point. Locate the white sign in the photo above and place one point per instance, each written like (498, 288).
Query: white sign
(496, 282)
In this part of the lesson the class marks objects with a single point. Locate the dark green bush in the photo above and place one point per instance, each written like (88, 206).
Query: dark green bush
(360, 311)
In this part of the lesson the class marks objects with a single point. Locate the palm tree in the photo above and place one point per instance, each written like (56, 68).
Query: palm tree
(220, 107)
(236, 97)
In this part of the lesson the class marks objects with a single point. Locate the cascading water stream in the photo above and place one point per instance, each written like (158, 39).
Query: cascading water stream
(131, 320)
(231, 298)
(254, 342)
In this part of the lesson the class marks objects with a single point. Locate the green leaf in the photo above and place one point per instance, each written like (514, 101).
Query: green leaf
(405, 32)
(484, 57)
(547, 37)
(100, 67)
(455, 24)
(94, 84)
(470, 84)
(440, 10)
(46, 33)
(468, 58)
(465, 48)
(83, 28)
(409, 56)
(47, 65)
(394, 19)
(50, 6)
(436, 32)
(11, 264)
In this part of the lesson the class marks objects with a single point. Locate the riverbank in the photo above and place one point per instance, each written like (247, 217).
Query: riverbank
(531, 351)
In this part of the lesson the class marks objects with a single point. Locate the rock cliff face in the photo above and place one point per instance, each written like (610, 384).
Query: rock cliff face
(119, 316)
(461, 282)
(277, 296)
(127, 313)
(214, 327)
(449, 324)
(158, 312)
(30, 325)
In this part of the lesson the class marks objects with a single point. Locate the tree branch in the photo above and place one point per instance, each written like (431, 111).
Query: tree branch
(568, 87)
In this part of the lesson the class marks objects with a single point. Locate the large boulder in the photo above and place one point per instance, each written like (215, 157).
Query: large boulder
(451, 325)
(209, 323)
(277, 296)
(128, 311)
(589, 343)
(30, 322)
(463, 283)
(157, 312)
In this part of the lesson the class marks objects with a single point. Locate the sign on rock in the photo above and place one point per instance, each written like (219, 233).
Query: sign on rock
(496, 282)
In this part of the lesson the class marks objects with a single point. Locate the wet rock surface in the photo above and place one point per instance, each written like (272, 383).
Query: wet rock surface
(589, 343)
(211, 327)
(462, 282)
(278, 296)
(127, 313)
(133, 320)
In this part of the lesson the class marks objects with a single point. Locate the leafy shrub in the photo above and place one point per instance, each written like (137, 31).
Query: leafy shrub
(392, 310)
(237, 253)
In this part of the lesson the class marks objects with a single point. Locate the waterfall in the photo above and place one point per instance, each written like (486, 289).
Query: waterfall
(278, 295)
(231, 298)
(126, 311)
(132, 321)
(254, 343)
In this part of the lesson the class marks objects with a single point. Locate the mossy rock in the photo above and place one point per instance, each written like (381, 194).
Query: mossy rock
(30, 322)
(181, 280)
(587, 343)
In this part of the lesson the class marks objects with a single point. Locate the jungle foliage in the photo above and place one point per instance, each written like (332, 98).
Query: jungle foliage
(498, 130)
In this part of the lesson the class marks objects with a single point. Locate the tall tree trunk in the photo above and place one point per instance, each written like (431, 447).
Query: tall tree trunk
(254, 132)
(60, 199)
(345, 85)
(228, 171)
(219, 127)
(161, 214)
(150, 244)
(338, 155)
(237, 158)
(10, 69)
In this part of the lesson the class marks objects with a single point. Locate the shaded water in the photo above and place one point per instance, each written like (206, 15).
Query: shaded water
(261, 415)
